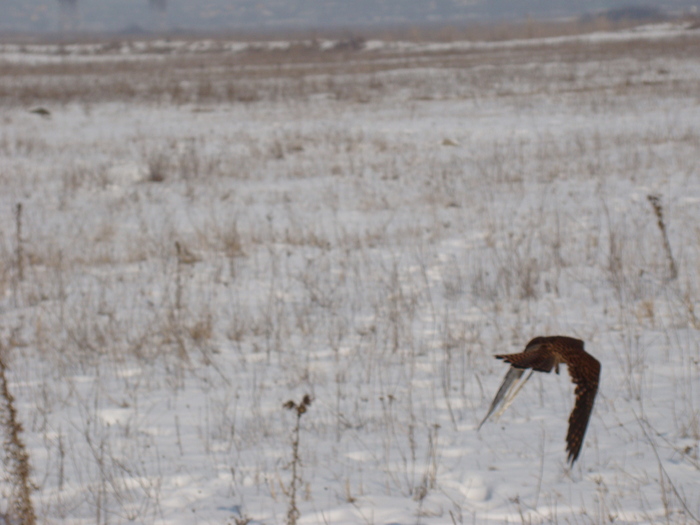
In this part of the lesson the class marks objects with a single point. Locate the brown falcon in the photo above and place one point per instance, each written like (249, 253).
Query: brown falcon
(543, 354)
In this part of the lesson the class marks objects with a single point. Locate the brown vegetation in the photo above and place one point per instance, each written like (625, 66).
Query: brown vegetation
(123, 71)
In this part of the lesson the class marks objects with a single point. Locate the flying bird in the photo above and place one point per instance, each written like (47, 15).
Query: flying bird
(543, 354)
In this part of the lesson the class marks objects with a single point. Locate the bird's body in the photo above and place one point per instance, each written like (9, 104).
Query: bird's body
(542, 354)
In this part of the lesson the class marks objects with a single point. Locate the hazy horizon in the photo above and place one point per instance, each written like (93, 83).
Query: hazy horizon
(110, 16)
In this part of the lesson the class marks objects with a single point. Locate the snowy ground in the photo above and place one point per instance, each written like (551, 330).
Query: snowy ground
(370, 238)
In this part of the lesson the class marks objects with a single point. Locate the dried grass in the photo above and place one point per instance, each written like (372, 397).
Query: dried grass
(255, 75)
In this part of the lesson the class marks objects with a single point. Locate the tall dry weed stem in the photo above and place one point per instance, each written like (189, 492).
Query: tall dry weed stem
(20, 258)
(15, 457)
(655, 202)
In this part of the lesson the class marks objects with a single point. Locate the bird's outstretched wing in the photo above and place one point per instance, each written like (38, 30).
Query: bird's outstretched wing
(506, 392)
(584, 370)
(544, 353)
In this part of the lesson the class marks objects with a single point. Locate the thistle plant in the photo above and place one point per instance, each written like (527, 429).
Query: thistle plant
(300, 408)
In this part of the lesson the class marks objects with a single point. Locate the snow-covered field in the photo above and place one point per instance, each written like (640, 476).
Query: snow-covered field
(367, 228)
